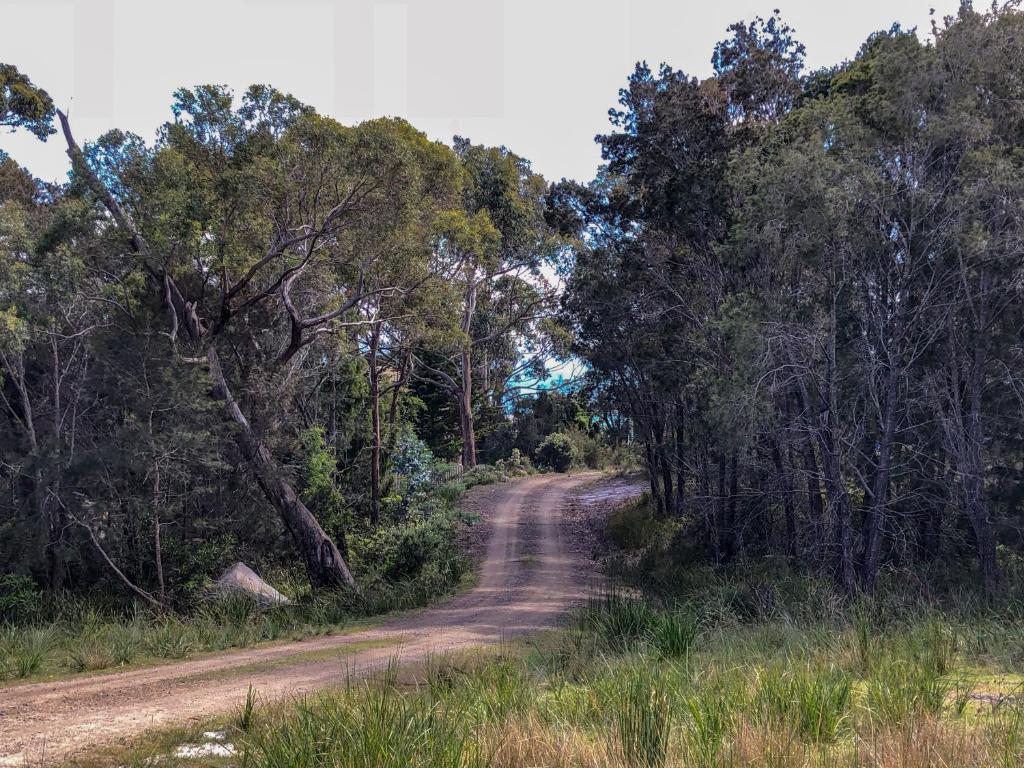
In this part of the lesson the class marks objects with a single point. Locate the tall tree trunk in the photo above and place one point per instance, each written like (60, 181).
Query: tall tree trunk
(839, 503)
(158, 552)
(465, 400)
(708, 506)
(880, 486)
(375, 438)
(811, 474)
(726, 540)
(666, 481)
(786, 481)
(52, 519)
(652, 476)
(48, 517)
(392, 423)
(815, 507)
(972, 469)
(465, 393)
(736, 533)
(680, 459)
(324, 562)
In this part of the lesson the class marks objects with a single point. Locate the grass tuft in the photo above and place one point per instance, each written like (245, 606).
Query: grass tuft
(643, 721)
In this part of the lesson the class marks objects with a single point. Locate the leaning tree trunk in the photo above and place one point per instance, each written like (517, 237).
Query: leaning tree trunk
(324, 562)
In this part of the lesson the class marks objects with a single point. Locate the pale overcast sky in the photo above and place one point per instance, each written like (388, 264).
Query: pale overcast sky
(535, 75)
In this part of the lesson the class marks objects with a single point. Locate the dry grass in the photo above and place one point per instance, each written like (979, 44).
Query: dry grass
(606, 694)
(529, 741)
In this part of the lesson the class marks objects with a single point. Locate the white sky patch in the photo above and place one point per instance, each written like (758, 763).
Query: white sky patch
(535, 75)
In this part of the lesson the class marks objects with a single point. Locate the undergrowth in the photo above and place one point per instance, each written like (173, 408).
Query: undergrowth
(407, 563)
(727, 669)
(604, 692)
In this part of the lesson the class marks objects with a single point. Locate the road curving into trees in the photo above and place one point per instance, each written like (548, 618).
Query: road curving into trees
(532, 572)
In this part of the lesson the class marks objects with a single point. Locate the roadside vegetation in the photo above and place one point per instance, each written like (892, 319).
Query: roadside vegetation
(411, 558)
(414, 560)
(797, 297)
(754, 666)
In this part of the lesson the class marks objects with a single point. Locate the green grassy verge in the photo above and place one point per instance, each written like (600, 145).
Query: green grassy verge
(632, 685)
(688, 665)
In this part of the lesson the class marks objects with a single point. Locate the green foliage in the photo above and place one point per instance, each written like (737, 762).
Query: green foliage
(675, 633)
(767, 693)
(20, 599)
(814, 703)
(558, 452)
(898, 690)
(368, 727)
(320, 492)
(23, 653)
(23, 104)
(707, 720)
(590, 449)
(413, 460)
(622, 622)
(246, 716)
(483, 474)
(632, 526)
(516, 465)
(754, 223)
(402, 550)
(402, 564)
(644, 721)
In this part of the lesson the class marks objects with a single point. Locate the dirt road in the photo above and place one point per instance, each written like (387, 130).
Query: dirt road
(533, 570)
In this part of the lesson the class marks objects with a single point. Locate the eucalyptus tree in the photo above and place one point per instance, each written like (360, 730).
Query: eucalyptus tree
(814, 284)
(263, 227)
(977, 380)
(45, 322)
(654, 225)
(493, 250)
(24, 104)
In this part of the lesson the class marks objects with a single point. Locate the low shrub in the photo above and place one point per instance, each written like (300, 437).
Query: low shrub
(20, 600)
(378, 727)
(558, 452)
(590, 450)
(620, 621)
(517, 465)
(483, 474)
(632, 526)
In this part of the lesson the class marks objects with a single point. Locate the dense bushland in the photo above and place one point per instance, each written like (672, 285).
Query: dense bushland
(803, 290)
(403, 564)
(262, 337)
